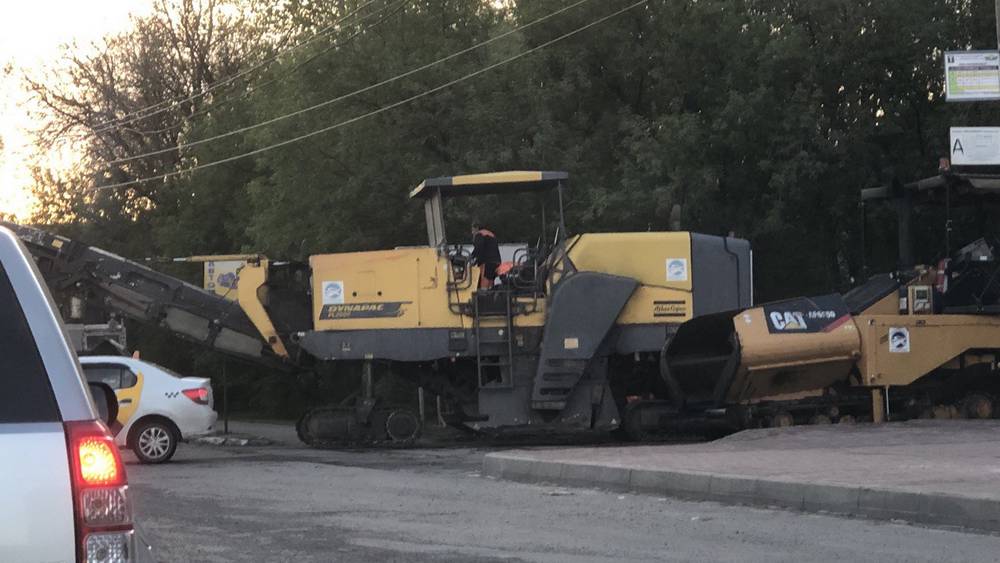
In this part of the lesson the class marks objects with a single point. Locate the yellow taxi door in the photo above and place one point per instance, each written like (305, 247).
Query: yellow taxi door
(128, 394)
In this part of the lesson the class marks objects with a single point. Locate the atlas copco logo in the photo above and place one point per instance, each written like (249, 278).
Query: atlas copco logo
(788, 320)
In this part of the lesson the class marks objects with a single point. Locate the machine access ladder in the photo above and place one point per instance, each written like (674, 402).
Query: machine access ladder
(494, 344)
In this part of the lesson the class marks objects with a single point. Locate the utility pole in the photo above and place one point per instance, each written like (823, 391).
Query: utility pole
(998, 23)
(225, 397)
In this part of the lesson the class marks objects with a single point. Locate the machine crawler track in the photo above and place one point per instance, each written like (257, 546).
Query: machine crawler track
(353, 427)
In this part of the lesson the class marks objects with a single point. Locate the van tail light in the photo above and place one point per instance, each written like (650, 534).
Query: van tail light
(199, 395)
(101, 504)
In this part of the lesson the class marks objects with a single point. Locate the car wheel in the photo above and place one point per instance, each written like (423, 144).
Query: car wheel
(154, 442)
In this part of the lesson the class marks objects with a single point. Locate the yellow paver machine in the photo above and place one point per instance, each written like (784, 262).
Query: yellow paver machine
(921, 342)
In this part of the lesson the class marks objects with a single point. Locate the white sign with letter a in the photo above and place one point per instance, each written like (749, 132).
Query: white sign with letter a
(975, 146)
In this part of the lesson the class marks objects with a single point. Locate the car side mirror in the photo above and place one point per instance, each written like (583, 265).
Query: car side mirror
(105, 400)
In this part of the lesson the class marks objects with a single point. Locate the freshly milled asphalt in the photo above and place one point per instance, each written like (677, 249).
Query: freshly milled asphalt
(284, 503)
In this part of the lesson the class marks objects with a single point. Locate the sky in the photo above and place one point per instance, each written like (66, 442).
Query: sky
(31, 33)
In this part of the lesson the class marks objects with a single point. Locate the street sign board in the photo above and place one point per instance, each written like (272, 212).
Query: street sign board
(975, 146)
(972, 76)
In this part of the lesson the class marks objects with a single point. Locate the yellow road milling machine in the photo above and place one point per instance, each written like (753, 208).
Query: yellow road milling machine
(921, 342)
(555, 347)
(571, 334)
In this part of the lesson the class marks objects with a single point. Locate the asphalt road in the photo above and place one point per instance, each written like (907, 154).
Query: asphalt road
(293, 504)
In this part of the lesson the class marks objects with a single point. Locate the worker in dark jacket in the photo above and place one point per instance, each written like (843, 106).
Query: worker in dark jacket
(485, 253)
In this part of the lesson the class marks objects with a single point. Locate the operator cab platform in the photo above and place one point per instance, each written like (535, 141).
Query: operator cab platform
(526, 271)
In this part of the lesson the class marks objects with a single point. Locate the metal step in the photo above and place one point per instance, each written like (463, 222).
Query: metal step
(557, 387)
(498, 340)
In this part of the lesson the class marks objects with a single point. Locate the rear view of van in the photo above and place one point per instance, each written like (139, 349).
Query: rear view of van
(63, 490)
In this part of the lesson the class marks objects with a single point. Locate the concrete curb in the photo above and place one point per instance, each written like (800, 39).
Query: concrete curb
(883, 504)
(231, 441)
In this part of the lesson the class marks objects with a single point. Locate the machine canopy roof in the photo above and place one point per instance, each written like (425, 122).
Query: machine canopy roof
(958, 189)
(523, 181)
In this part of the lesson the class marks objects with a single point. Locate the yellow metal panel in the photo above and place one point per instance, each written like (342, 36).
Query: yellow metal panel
(641, 256)
(763, 350)
(510, 177)
(498, 177)
(253, 277)
(931, 340)
(367, 290)
(878, 405)
(392, 289)
(791, 382)
(661, 298)
(780, 364)
(408, 288)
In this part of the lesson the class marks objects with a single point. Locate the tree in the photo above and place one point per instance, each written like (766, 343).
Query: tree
(136, 93)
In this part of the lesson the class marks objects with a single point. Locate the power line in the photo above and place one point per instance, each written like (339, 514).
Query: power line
(396, 8)
(378, 111)
(343, 97)
(164, 105)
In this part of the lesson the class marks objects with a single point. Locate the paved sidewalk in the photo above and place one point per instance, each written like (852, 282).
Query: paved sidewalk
(933, 472)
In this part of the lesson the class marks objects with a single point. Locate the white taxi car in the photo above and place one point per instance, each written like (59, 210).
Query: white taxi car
(157, 407)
